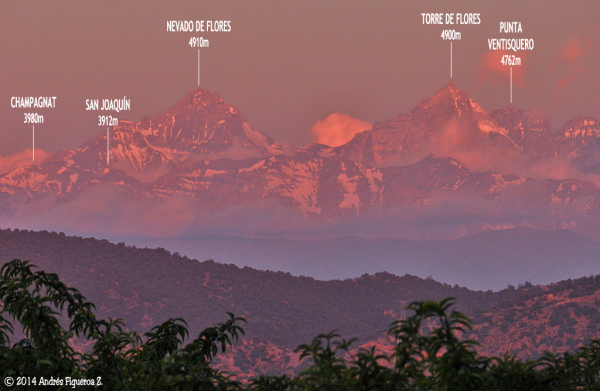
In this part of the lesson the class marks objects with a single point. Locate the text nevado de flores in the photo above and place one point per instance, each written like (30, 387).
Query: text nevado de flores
(198, 25)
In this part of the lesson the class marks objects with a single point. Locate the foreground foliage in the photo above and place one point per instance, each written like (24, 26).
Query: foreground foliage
(430, 353)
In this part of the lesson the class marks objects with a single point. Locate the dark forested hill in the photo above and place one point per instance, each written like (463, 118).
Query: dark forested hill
(148, 286)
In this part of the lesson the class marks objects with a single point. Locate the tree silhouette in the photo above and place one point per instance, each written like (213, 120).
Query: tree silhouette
(430, 353)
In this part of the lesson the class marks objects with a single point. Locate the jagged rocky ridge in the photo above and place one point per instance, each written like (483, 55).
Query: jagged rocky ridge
(202, 149)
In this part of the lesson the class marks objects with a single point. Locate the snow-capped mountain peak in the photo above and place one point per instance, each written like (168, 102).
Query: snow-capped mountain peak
(449, 116)
(203, 154)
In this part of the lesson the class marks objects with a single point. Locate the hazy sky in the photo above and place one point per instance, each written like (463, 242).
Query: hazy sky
(286, 64)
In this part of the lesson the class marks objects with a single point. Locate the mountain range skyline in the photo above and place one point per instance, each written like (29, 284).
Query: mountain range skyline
(202, 141)
(342, 124)
(200, 173)
(526, 121)
(287, 66)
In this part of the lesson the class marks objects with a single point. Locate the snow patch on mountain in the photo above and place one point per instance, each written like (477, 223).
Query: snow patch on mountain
(73, 179)
(298, 181)
(489, 127)
(257, 138)
(477, 107)
(351, 198)
(210, 173)
(501, 181)
(581, 128)
(23, 178)
(254, 167)
(372, 175)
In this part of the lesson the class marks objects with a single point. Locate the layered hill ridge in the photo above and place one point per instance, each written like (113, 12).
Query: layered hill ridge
(446, 151)
(146, 287)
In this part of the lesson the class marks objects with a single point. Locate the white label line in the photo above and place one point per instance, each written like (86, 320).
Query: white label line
(107, 148)
(198, 66)
(33, 146)
(450, 59)
(511, 85)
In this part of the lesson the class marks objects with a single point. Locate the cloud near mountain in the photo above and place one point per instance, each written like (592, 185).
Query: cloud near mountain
(337, 129)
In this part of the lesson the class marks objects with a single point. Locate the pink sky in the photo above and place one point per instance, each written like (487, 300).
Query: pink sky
(284, 65)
